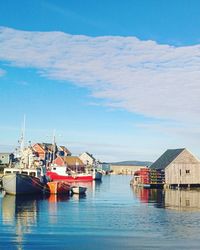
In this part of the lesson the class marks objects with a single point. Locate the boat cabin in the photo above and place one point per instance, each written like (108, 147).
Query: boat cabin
(38, 172)
(61, 170)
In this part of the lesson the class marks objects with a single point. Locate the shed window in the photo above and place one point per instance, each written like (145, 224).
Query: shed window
(187, 203)
(187, 171)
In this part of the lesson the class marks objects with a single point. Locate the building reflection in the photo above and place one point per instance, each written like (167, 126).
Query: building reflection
(182, 199)
(177, 199)
(20, 212)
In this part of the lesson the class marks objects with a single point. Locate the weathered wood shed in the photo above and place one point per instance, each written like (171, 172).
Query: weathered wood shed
(181, 167)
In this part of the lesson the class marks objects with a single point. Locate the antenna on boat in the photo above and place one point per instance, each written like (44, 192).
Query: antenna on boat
(54, 144)
(22, 142)
(23, 134)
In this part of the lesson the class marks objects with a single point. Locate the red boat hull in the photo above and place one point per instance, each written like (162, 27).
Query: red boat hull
(53, 176)
(58, 187)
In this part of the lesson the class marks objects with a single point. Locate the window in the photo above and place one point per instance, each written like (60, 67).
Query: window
(187, 171)
(32, 173)
(24, 172)
(187, 203)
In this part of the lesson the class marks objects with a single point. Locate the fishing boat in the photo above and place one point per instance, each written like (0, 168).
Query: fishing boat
(62, 173)
(78, 190)
(58, 187)
(23, 181)
(23, 178)
(97, 174)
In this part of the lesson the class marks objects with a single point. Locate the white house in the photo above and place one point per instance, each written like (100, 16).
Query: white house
(87, 158)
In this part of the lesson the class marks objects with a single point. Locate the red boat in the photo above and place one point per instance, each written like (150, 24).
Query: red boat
(58, 187)
(61, 173)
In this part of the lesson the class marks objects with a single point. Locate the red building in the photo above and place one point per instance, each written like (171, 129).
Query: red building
(71, 162)
(47, 152)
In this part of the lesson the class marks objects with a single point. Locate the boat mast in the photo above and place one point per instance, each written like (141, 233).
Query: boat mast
(54, 145)
(23, 136)
(22, 142)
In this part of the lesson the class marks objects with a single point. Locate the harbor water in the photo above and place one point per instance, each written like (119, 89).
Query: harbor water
(112, 215)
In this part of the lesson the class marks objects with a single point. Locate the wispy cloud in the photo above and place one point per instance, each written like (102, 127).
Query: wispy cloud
(144, 77)
(105, 151)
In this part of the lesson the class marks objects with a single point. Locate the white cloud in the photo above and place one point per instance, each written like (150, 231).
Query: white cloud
(144, 77)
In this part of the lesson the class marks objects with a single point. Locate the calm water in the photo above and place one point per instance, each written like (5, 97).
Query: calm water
(111, 216)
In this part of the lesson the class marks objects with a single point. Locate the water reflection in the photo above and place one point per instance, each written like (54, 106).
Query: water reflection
(54, 198)
(181, 199)
(77, 197)
(20, 212)
(22, 207)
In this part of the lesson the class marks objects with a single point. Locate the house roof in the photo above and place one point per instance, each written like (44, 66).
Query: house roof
(90, 155)
(165, 159)
(72, 160)
(48, 146)
(64, 149)
(45, 146)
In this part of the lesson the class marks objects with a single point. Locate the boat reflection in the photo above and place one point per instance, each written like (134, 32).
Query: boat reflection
(78, 197)
(88, 185)
(177, 199)
(21, 213)
(21, 209)
(54, 198)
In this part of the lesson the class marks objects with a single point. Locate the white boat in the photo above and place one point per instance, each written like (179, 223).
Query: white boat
(23, 181)
(78, 190)
(97, 174)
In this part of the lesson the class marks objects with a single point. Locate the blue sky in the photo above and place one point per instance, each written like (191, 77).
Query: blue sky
(119, 79)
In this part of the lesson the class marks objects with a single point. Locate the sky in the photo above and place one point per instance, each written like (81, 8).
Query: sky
(119, 79)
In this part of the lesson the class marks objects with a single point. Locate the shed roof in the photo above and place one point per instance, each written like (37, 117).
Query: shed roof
(165, 159)
(72, 160)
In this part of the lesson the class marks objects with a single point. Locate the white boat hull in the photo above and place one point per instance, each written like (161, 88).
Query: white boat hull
(21, 184)
(78, 190)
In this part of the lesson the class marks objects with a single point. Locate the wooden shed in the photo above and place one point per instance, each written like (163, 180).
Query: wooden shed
(71, 162)
(181, 167)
